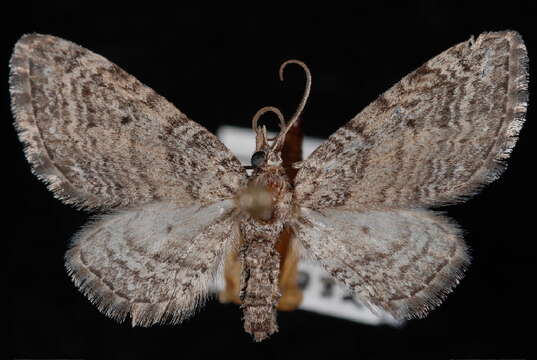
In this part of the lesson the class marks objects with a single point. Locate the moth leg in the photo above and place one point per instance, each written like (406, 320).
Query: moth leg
(232, 277)
(291, 294)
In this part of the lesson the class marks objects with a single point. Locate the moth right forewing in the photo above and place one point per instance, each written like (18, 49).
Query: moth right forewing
(154, 262)
(100, 138)
(435, 137)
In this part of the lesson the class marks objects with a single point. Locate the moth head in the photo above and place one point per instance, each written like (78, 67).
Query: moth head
(266, 153)
(268, 150)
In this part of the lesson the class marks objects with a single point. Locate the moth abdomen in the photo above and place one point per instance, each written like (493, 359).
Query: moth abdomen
(259, 291)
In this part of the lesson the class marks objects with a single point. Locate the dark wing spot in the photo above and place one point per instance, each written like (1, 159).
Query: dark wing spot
(86, 91)
(125, 120)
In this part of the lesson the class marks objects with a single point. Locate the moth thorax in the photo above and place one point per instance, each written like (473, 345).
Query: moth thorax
(257, 201)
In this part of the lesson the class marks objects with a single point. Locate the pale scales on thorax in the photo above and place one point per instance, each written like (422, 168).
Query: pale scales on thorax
(177, 203)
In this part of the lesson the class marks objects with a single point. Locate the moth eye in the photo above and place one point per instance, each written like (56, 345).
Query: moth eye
(258, 158)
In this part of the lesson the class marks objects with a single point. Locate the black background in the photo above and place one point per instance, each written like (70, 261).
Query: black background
(219, 65)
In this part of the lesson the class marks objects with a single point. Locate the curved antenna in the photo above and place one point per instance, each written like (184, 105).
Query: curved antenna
(302, 104)
(264, 110)
(280, 138)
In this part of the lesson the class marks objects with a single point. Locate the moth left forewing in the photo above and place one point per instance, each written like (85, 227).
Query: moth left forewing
(401, 261)
(154, 262)
(101, 139)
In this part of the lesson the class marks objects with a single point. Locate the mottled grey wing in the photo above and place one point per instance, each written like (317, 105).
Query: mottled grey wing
(433, 138)
(154, 262)
(99, 138)
(401, 261)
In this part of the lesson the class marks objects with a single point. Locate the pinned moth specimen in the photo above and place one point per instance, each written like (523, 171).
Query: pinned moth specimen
(176, 202)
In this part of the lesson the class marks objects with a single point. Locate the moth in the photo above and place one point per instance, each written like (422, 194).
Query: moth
(175, 201)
